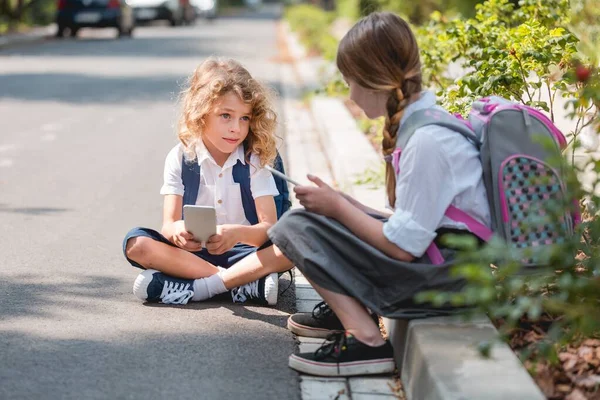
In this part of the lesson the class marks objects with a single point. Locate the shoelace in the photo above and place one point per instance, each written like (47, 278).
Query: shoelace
(176, 293)
(245, 292)
(333, 347)
(289, 271)
(322, 311)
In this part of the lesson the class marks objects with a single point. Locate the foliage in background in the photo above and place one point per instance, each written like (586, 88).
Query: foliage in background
(312, 25)
(17, 13)
(521, 54)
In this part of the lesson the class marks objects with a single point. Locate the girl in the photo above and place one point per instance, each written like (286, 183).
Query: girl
(226, 123)
(357, 260)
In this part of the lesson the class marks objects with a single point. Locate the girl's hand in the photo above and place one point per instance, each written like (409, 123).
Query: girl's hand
(224, 240)
(321, 199)
(183, 239)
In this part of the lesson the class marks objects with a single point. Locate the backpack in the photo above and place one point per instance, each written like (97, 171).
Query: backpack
(518, 179)
(190, 175)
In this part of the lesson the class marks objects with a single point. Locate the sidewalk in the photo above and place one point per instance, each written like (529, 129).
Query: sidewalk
(32, 35)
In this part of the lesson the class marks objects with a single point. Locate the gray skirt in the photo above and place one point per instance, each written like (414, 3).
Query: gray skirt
(332, 257)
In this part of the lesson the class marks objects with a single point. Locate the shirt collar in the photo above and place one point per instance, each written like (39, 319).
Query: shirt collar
(203, 154)
(237, 154)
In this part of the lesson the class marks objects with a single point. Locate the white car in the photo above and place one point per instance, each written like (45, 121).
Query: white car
(205, 8)
(177, 12)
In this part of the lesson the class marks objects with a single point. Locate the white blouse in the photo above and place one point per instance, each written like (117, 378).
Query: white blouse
(438, 168)
(217, 186)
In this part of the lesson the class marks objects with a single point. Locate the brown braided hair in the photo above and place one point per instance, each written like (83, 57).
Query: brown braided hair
(380, 53)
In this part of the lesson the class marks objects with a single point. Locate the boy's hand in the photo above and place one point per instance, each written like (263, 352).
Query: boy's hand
(224, 240)
(321, 199)
(183, 239)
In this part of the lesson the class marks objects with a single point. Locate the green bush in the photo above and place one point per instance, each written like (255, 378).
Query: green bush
(17, 15)
(312, 25)
(517, 53)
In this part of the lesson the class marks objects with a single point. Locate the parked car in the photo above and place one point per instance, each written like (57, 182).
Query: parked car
(75, 14)
(206, 8)
(177, 12)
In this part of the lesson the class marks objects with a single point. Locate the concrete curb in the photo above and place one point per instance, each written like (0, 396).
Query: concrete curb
(437, 357)
(33, 35)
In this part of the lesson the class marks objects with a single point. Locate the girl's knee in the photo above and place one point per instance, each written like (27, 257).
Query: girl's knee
(138, 247)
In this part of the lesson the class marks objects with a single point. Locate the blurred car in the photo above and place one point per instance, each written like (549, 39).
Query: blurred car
(253, 4)
(205, 8)
(176, 12)
(73, 15)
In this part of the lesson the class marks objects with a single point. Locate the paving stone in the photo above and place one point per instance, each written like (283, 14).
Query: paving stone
(373, 396)
(307, 293)
(306, 305)
(374, 385)
(315, 388)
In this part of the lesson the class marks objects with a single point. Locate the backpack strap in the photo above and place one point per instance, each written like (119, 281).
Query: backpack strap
(241, 175)
(190, 176)
(434, 116)
(458, 215)
(282, 201)
(477, 228)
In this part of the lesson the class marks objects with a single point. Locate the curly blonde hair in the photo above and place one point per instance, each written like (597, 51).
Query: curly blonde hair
(381, 53)
(214, 78)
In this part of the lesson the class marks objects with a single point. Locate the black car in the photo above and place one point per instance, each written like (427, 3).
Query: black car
(75, 14)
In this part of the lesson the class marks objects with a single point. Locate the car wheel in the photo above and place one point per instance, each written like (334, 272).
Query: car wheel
(74, 32)
(122, 32)
(60, 32)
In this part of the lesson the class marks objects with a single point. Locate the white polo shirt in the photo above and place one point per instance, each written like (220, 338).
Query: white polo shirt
(438, 167)
(217, 188)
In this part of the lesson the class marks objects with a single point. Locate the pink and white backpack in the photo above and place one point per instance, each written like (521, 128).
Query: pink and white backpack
(519, 180)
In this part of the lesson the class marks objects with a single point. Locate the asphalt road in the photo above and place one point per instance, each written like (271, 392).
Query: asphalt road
(85, 125)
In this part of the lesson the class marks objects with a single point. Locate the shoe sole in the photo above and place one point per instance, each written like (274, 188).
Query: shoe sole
(307, 331)
(140, 285)
(369, 367)
(272, 288)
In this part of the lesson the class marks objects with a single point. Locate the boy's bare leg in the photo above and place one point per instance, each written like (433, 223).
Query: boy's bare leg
(353, 315)
(170, 260)
(255, 266)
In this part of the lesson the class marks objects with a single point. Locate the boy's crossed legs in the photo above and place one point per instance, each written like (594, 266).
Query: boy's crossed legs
(174, 275)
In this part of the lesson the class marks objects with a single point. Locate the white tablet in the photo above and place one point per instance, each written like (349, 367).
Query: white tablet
(200, 221)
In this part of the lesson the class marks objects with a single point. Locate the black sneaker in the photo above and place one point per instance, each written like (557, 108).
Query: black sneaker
(262, 291)
(345, 356)
(321, 323)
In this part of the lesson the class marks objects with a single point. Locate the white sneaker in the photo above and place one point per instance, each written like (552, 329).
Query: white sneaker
(154, 286)
(262, 291)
